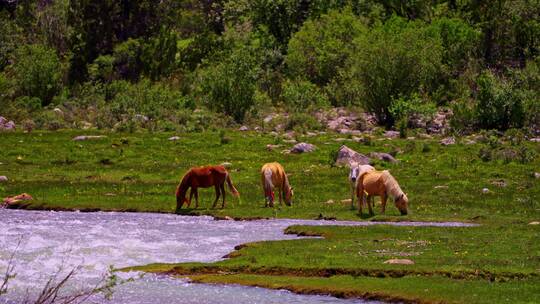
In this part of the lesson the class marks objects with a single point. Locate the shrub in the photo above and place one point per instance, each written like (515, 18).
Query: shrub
(395, 60)
(37, 72)
(146, 98)
(229, 86)
(301, 95)
(302, 122)
(404, 108)
(323, 45)
(499, 104)
(102, 69)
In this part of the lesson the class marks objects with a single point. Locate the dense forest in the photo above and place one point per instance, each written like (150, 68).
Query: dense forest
(190, 65)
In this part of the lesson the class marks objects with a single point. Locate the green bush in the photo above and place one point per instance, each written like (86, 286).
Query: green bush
(301, 95)
(302, 122)
(153, 100)
(395, 59)
(322, 46)
(37, 72)
(102, 69)
(404, 108)
(499, 104)
(229, 86)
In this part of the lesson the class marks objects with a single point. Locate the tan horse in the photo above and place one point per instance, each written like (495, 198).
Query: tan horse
(383, 184)
(273, 176)
(354, 174)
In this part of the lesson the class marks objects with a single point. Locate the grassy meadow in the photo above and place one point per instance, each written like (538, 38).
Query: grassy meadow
(496, 262)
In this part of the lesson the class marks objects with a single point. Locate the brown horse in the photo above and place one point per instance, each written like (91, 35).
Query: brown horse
(383, 184)
(204, 177)
(273, 175)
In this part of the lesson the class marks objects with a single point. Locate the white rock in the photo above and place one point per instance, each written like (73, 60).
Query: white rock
(534, 223)
(485, 190)
(227, 165)
(174, 138)
(399, 261)
(243, 128)
(3, 178)
(536, 175)
(303, 148)
(88, 137)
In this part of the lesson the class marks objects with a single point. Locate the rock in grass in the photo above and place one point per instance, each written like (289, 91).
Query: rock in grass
(391, 134)
(303, 148)
(399, 261)
(347, 156)
(485, 190)
(3, 178)
(536, 139)
(534, 223)
(227, 165)
(383, 156)
(536, 175)
(174, 138)
(243, 128)
(88, 137)
(448, 141)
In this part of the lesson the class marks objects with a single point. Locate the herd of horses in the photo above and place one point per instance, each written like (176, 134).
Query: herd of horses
(365, 181)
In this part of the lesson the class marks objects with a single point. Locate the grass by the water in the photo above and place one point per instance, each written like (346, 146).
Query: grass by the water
(497, 262)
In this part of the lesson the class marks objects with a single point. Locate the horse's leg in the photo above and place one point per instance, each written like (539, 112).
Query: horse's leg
(360, 196)
(223, 194)
(281, 197)
(217, 196)
(353, 186)
(196, 198)
(370, 203)
(383, 202)
(191, 192)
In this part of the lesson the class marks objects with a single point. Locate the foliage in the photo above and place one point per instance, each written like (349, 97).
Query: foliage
(301, 95)
(499, 104)
(229, 86)
(394, 60)
(37, 72)
(323, 46)
(404, 109)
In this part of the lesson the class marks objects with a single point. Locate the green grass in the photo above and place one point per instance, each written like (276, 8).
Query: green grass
(496, 261)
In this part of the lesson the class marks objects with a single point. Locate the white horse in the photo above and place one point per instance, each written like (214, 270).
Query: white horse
(355, 174)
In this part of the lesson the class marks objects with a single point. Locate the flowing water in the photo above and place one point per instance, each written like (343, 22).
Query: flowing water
(45, 242)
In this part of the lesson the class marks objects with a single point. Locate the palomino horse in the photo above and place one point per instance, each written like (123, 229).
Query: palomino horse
(354, 174)
(273, 175)
(383, 184)
(204, 177)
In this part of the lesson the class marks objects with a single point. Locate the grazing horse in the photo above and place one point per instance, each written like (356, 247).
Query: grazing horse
(204, 177)
(273, 175)
(354, 174)
(383, 184)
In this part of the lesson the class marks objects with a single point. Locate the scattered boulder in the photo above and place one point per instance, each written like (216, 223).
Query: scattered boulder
(391, 134)
(271, 147)
(383, 156)
(58, 111)
(448, 141)
(3, 178)
(439, 124)
(20, 201)
(243, 128)
(536, 175)
(227, 165)
(174, 138)
(485, 190)
(399, 261)
(6, 125)
(268, 118)
(88, 137)
(536, 139)
(329, 202)
(347, 156)
(290, 141)
(499, 183)
(141, 118)
(441, 187)
(310, 134)
(223, 218)
(289, 135)
(303, 148)
(534, 223)
(85, 125)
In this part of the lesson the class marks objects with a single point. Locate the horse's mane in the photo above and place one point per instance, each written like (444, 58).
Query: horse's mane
(391, 184)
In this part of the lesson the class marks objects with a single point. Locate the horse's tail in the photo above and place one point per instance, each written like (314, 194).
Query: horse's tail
(231, 186)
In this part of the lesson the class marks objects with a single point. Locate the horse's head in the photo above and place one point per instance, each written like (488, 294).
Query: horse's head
(288, 196)
(353, 173)
(401, 203)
